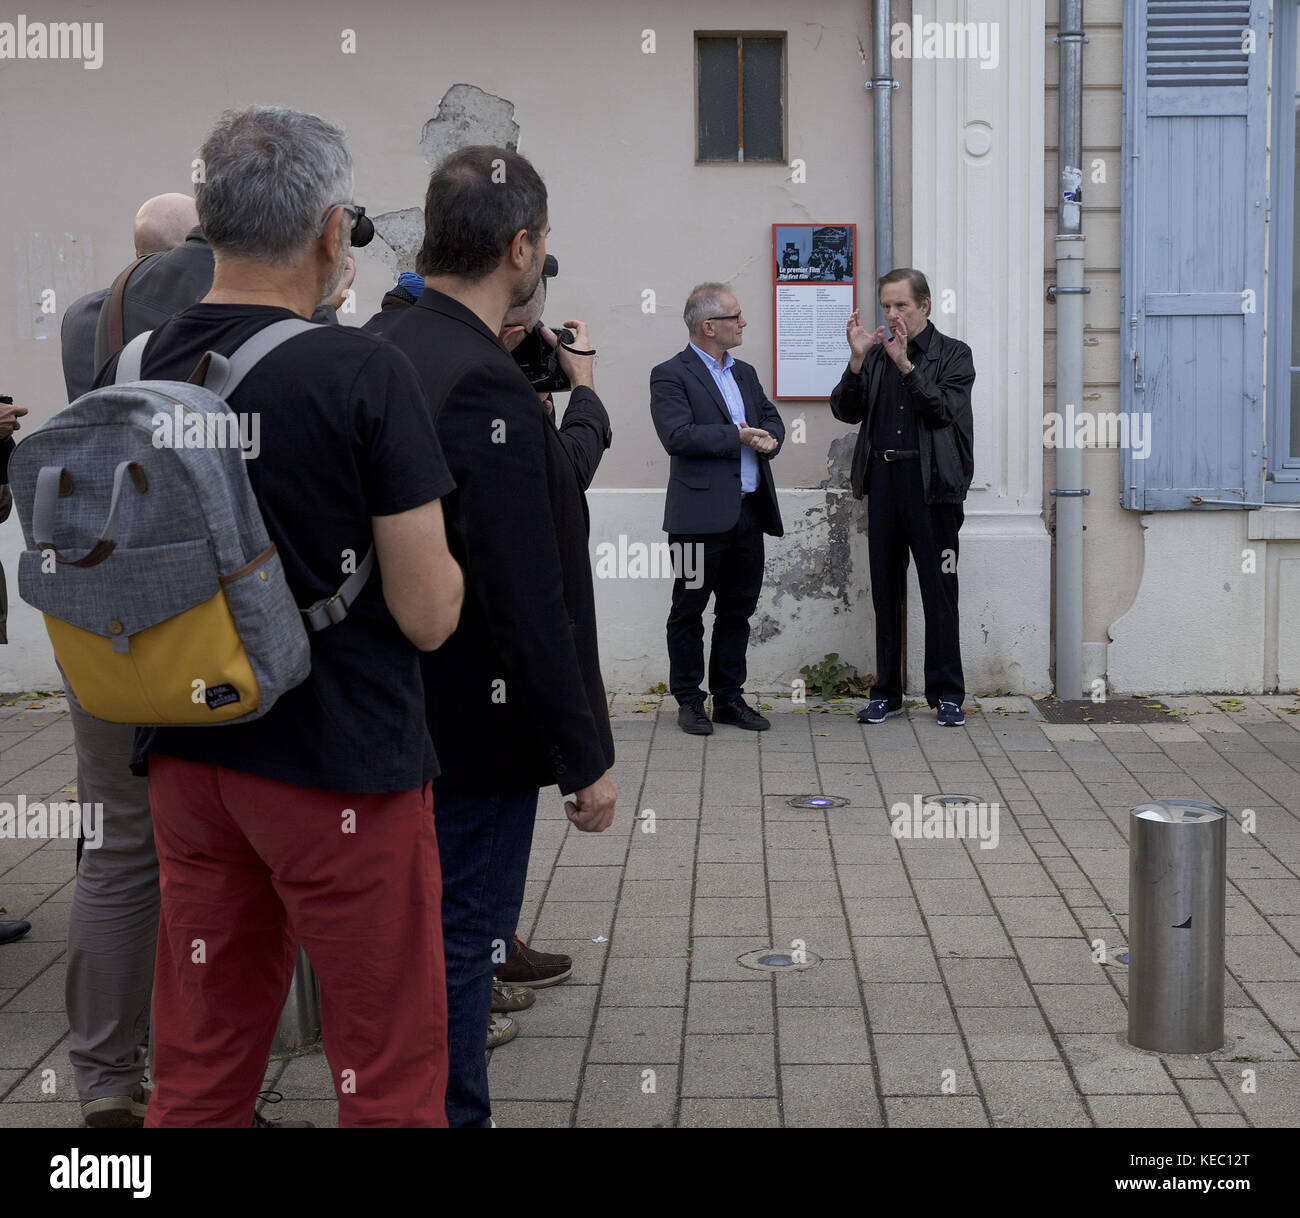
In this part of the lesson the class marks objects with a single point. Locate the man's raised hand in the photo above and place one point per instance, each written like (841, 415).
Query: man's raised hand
(580, 369)
(860, 340)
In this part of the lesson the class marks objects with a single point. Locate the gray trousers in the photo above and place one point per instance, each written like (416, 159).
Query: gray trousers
(113, 927)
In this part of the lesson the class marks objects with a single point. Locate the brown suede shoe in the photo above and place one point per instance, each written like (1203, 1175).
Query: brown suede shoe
(537, 970)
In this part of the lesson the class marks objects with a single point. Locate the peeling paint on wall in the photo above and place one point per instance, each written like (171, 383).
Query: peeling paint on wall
(398, 235)
(467, 115)
(822, 568)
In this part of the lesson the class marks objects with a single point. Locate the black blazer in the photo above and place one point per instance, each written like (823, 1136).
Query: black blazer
(696, 429)
(514, 698)
(938, 389)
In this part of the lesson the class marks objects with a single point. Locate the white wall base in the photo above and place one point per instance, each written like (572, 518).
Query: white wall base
(1197, 624)
(816, 600)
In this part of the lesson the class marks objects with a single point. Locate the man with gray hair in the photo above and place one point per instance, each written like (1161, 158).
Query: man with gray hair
(716, 423)
(314, 823)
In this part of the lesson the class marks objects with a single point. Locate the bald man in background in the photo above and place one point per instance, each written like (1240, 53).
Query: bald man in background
(161, 224)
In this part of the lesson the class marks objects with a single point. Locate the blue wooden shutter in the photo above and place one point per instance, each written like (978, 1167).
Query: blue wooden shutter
(1193, 241)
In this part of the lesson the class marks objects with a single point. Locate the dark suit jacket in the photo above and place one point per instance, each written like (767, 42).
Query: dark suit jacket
(938, 389)
(77, 342)
(696, 429)
(517, 524)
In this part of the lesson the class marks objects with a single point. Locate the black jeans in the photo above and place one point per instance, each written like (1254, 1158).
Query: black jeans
(730, 569)
(899, 519)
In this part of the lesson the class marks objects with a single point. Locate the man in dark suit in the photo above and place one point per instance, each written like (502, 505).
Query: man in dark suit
(716, 423)
(909, 387)
(515, 698)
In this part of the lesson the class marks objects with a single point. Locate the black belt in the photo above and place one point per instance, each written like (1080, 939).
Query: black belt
(896, 454)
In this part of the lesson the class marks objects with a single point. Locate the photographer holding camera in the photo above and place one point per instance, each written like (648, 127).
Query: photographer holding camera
(515, 699)
(584, 430)
(555, 361)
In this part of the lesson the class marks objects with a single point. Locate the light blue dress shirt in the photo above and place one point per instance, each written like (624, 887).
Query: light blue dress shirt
(725, 380)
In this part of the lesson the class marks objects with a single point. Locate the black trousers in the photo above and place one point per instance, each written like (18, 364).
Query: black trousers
(730, 569)
(899, 520)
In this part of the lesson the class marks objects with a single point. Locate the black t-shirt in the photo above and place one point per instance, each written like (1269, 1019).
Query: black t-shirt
(894, 423)
(345, 434)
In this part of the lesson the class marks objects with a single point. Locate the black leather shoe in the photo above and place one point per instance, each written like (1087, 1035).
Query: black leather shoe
(11, 932)
(692, 719)
(739, 714)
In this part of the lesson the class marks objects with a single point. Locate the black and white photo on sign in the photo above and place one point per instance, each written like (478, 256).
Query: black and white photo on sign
(807, 252)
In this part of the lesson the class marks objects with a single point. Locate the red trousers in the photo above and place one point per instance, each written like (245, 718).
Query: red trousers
(249, 867)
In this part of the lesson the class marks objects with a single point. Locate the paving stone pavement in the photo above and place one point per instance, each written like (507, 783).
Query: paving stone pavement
(959, 984)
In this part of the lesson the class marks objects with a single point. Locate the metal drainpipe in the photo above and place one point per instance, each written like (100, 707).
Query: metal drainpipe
(1069, 292)
(882, 85)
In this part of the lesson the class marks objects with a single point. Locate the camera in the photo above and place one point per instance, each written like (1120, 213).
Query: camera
(539, 362)
(534, 354)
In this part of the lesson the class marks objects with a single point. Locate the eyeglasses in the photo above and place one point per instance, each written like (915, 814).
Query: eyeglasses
(728, 317)
(363, 227)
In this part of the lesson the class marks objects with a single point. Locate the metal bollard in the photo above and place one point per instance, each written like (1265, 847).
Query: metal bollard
(300, 1020)
(1177, 879)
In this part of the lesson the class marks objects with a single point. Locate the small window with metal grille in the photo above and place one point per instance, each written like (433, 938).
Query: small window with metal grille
(740, 97)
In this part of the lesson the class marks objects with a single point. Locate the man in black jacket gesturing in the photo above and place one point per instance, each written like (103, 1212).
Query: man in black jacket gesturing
(515, 698)
(910, 388)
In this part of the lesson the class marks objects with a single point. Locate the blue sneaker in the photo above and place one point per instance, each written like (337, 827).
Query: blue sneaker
(950, 715)
(877, 711)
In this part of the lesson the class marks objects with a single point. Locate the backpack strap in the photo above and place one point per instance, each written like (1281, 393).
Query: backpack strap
(116, 329)
(224, 373)
(223, 376)
(128, 365)
(110, 328)
(330, 610)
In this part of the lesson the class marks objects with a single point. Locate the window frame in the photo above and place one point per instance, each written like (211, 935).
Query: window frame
(1282, 474)
(740, 36)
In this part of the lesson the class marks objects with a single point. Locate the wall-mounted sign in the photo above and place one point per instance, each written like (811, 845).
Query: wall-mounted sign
(814, 289)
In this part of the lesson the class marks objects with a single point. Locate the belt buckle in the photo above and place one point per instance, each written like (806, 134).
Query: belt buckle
(888, 454)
